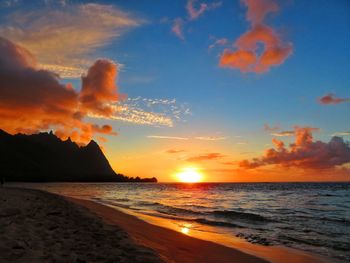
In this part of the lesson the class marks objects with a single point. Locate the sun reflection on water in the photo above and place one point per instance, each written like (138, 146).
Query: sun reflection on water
(185, 229)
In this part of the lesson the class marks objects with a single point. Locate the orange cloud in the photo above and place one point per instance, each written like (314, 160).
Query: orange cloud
(99, 89)
(332, 99)
(205, 157)
(276, 131)
(304, 153)
(104, 129)
(257, 10)
(174, 151)
(246, 55)
(283, 133)
(33, 100)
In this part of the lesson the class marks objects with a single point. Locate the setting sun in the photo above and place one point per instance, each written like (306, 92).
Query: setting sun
(189, 175)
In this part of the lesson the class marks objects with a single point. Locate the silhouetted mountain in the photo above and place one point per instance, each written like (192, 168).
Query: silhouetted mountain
(45, 158)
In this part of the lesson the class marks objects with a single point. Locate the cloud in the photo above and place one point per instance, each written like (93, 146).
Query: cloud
(271, 128)
(62, 38)
(219, 42)
(229, 163)
(205, 157)
(177, 27)
(283, 133)
(246, 55)
(330, 98)
(33, 100)
(146, 111)
(210, 138)
(276, 131)
(304, 153)
(105, 129)
(99, 88)
(257, 10)
(166, 137)
(204, 138)
(195, 12)
(172, 151)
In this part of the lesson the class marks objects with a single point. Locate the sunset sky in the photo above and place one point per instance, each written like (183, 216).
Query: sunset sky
(240, 90)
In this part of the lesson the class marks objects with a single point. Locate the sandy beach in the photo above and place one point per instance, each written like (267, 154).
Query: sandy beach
(38, 226)
(42, 227)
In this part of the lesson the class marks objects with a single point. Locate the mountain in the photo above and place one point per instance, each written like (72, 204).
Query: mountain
(44, 157)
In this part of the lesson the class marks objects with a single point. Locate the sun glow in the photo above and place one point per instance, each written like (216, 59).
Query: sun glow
(189, 175)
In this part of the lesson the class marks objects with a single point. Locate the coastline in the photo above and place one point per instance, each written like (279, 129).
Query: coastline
(143, 239)
(156, 234)
(172, 246)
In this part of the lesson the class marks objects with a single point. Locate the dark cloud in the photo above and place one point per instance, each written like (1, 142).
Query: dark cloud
(33, 100)
(99, 88)
(304, 153)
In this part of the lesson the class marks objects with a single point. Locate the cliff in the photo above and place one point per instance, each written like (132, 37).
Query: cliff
(44, 157)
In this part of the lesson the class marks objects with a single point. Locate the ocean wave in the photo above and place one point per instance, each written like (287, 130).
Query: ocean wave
(240, 215)
(200, 220)
(179, 211)
(216, 223)
(166, 209)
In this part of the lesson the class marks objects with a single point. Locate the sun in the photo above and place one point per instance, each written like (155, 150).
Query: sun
(189, 175)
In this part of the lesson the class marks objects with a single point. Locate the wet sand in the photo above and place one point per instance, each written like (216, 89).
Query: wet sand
(170, 245)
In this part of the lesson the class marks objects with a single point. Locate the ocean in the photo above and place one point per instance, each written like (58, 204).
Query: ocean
(313, 217)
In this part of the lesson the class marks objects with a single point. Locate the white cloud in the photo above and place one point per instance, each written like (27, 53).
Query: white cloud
(63, 38)
(210, 138)
(153, 112)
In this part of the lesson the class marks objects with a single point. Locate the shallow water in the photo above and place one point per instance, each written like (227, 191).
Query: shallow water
(310, 216)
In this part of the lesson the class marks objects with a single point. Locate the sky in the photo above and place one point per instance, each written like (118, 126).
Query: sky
(239, 90)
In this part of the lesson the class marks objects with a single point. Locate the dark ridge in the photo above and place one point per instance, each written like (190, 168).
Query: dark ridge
(44, 157)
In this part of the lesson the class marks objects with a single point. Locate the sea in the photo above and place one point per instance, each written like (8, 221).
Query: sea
(313, 217)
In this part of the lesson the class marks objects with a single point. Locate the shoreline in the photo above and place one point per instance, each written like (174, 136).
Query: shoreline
(123, 217)
(39, 226)
(147, 234)
(171, 246)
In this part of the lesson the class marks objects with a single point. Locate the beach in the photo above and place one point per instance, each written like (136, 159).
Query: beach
(42, 227)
